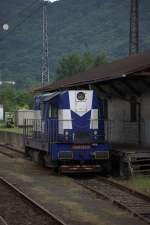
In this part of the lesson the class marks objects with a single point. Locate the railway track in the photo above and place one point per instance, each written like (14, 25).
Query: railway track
(10, 151)
(3, 221)
(6, 154)
(17, 208)
(134, 202)
(21, 151)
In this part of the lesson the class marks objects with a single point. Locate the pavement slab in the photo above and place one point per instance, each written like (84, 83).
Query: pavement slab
(62, 196)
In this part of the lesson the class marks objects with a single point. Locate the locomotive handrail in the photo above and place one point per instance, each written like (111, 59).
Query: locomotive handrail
(50, 130)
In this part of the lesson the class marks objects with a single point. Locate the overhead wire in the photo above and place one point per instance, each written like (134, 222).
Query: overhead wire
(30, 14)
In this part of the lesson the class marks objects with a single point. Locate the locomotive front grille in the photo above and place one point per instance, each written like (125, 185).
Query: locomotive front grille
(65, 155)
(82, 137)
(101, 155)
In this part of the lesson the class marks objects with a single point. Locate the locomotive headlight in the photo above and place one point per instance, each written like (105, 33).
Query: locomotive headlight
(66, 133)
(95, 132)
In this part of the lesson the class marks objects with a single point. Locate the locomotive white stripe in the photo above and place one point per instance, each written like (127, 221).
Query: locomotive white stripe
(65, 121)
(94, 119)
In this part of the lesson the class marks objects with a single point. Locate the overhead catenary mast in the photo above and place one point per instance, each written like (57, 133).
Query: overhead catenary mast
(134, 27)
(45, 63)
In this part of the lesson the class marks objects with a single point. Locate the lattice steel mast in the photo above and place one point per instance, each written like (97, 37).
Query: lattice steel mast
(45, 64)
(134, 27)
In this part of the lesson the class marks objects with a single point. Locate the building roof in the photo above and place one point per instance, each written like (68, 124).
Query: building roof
(102, 73)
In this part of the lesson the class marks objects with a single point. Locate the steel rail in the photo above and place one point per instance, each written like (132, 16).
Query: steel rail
(117, 202)
(8, 148)
(101, 193)
(31, 201)
(125, 188)
(7, 154)
(3, 220)
(12, 148)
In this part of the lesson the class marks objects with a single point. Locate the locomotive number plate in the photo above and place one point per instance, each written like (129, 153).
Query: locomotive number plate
(83, 147)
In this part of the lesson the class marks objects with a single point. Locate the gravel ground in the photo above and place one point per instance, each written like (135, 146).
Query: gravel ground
(68, 200)
(17, 211)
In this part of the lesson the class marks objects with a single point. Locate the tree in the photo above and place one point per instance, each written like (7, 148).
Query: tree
(24, 100)
(74, 63)
(12, 99)
(7, 98)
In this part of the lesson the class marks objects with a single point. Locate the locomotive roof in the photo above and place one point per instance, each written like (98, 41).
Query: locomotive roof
(49, 96)
(126, 67)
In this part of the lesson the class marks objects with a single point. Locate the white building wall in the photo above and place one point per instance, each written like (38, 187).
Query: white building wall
(118, 111)
(119, 129)
(27, 114)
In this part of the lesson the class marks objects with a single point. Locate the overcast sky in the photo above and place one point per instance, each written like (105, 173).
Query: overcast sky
(53, 0)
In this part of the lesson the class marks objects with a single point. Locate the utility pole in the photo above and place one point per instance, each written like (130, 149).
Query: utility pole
(134, 27)
(45, 63)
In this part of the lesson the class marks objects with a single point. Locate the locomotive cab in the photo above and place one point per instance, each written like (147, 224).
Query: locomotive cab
(73, 124)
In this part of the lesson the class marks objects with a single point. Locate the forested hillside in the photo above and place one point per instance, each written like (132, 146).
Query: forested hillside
(74, 26)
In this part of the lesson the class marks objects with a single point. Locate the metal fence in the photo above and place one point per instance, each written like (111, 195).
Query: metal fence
(33, 128)
(61, 131)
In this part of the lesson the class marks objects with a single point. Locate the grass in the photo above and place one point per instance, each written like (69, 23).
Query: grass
(14, 129)
(139, 183)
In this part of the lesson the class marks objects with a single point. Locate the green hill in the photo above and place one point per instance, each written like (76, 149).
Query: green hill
(74, 26)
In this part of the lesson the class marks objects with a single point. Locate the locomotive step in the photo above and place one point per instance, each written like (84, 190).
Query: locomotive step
(140, 171)
(140, 160)
(140, 165)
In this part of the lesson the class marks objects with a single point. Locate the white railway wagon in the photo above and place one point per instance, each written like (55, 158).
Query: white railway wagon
(26, 114)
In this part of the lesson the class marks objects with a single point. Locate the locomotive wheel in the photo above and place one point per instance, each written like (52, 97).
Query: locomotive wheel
(106, 169)
(36, 156)
(41, 160)
(27, 152)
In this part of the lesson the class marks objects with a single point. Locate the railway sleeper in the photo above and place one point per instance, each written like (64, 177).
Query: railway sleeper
(147, 215)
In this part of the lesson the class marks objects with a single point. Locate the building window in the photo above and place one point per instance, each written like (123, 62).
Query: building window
(133, 110)
(105, 109)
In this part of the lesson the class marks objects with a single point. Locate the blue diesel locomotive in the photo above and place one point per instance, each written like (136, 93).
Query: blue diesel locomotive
(67, 132)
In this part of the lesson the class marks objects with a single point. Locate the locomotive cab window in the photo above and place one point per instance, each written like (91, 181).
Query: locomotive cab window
(53, 111)
(49, 111)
